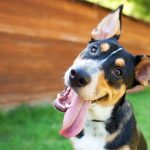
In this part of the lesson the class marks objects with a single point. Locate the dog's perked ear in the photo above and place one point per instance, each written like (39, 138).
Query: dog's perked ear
(142, 70)
(109, 27)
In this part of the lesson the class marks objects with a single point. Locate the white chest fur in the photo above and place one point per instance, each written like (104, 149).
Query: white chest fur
(94, 132)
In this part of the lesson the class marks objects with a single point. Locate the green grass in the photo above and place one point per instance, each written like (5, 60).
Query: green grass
(141, 106)
(32, 128)
(36, 128)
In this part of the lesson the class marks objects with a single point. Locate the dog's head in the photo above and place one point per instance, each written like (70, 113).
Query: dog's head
(104, 69)
(102, 72)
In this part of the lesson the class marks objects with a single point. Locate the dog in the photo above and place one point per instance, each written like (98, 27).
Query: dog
(97, 114)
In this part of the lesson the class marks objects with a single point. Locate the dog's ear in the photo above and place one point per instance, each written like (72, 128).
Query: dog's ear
(142, 70)
(109, 27)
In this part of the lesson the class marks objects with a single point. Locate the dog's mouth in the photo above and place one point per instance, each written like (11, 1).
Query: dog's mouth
(102, 98)
(64, 99)
(75, 108)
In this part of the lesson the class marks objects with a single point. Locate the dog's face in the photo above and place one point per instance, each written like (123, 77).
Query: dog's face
(104, 70)
(101, 72)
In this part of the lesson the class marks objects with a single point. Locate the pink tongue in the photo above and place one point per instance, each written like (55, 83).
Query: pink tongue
(74, 117)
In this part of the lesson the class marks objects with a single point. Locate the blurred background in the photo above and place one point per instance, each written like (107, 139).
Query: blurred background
(39, 39)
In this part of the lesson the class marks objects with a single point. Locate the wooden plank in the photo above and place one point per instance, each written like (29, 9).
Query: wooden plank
(42, 19)
(32, 66)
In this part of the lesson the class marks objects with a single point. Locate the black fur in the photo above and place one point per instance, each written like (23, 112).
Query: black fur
(122, 119)
(80, 135)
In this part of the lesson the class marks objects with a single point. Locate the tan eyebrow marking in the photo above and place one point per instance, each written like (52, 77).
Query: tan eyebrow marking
(104, 47)
(120, 62)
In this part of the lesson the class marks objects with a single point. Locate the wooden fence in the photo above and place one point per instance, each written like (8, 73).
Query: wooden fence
(40, 38)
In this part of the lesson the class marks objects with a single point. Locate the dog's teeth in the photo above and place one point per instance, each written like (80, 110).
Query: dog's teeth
(68, 89)
(59, 104)
(66, 93)
(67, 105)
(59, 95)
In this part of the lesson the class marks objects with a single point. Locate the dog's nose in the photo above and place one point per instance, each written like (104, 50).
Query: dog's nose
(79, 77)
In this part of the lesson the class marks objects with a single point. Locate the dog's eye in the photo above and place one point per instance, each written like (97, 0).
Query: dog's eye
(117, 72)
(93, 49)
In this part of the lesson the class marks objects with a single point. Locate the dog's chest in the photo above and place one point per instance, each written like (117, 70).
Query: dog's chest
(94, 132)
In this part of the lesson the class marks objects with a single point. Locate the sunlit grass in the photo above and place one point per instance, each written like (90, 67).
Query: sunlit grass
(32, 128)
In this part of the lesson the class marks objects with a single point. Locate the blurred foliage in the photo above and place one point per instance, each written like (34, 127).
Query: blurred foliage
(139, 9)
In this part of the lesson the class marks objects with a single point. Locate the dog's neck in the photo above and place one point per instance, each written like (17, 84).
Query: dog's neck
(101, 121)
(99, 113)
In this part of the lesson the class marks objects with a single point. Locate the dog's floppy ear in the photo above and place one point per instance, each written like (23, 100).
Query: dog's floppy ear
(109, 27)
(142, 70)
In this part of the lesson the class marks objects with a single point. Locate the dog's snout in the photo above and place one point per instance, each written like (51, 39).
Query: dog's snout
(79, 77)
